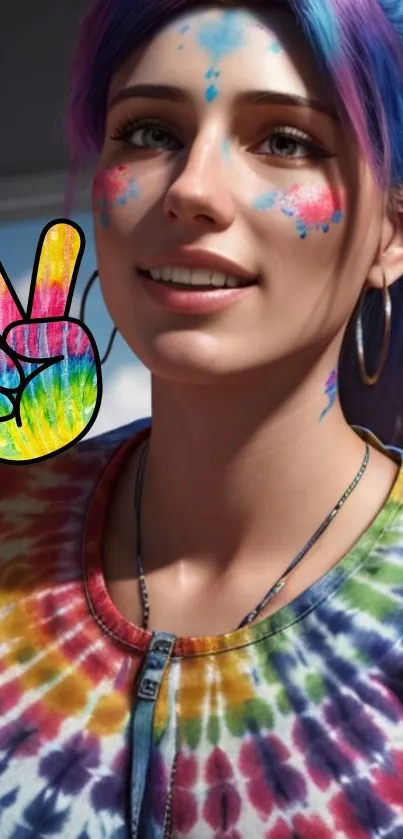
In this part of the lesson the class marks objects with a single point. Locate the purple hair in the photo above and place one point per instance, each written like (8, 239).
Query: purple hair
(358, 47)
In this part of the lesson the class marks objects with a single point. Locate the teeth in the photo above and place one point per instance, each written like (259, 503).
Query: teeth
(198, 276)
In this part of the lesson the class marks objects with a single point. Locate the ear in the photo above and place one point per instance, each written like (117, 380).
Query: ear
(389, 260)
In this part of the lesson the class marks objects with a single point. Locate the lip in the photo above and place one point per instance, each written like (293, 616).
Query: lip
(182, 300)
(198, 258)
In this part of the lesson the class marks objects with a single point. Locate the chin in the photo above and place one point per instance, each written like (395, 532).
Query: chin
(188, 359)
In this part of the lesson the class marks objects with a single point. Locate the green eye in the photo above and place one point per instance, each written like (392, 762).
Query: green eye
(163, 138)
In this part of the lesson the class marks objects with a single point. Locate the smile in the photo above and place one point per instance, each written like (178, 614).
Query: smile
(195, 278)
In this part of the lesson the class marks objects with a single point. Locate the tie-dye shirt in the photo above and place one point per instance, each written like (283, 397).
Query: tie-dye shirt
(291, 728)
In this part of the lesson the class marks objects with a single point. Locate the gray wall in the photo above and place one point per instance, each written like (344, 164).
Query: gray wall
(36, 45)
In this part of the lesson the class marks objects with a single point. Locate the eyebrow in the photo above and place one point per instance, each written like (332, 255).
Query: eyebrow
(249, 97)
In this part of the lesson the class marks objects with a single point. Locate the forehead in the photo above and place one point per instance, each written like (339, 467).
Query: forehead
(242, 47)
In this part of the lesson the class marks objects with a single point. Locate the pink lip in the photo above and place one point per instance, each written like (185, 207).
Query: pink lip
(185, 301)
(197, 258)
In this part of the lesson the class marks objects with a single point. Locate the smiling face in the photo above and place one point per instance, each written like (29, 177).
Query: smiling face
(211, 144)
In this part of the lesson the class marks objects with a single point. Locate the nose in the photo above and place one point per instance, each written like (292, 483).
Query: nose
(201, 195)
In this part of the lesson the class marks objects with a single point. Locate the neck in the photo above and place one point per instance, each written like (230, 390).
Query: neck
(245, 473)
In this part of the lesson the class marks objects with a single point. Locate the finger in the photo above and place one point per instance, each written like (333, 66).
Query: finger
(7, 407)
(10, 307)
(10, 377)
(54, 276)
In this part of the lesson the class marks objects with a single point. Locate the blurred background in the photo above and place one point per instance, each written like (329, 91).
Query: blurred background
(36, 46)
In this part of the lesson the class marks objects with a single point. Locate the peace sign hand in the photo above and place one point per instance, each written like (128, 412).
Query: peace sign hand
(50, 371)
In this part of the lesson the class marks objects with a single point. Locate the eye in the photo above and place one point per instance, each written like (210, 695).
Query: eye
(290, 138)
(147, 134)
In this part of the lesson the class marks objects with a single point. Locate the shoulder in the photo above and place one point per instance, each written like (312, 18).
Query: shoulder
(72, 470)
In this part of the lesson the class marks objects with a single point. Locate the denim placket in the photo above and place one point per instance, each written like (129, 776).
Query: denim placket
(149, 683)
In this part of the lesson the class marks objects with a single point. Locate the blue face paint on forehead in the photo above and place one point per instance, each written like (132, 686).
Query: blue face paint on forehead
(274, 45)
(221, 37)
(218, 38)
(183, 29)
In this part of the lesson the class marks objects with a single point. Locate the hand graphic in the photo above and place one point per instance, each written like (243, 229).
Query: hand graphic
(50, 371)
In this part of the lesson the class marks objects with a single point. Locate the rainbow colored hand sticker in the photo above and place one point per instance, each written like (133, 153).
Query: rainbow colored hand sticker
(50, 371)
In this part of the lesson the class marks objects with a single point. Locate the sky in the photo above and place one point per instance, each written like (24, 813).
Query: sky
(126, 382)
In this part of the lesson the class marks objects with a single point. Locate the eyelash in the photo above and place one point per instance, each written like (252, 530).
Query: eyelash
(128, 128)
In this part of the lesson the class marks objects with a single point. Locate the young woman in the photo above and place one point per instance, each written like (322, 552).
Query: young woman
(201, 616)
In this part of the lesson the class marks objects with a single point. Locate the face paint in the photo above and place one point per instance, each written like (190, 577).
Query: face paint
(274, 45)
(314, 207)
(226, 149)
(220, 38)
(112, 188)
(266, 201)
(331, 388)
(183, 29)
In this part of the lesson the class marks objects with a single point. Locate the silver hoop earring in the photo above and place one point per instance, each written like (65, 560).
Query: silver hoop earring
(359, 335)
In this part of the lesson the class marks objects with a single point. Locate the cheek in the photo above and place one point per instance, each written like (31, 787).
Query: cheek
(308, 207)
(114, 190)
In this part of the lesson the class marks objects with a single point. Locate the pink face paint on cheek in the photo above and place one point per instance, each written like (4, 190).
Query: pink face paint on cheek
(314, 206)
(112, 188)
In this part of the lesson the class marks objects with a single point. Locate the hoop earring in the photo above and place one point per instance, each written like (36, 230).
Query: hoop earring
(359, 335)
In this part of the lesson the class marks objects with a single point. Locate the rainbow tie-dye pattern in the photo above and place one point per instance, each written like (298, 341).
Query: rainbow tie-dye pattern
(50, 372)
(288, 729)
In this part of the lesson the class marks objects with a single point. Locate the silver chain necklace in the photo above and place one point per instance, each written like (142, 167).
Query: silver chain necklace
(279, 585)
